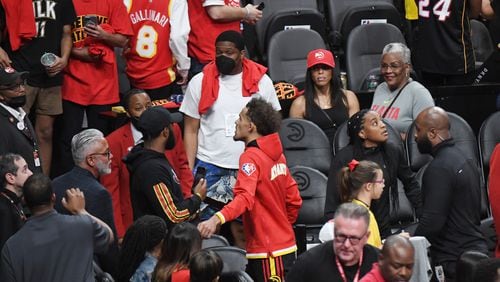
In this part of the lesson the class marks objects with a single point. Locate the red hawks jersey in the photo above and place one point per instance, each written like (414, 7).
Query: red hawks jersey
(204, 30)
(157, 25)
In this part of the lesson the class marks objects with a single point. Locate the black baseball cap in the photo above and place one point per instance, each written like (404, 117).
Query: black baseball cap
(155, 119)
(9, 76)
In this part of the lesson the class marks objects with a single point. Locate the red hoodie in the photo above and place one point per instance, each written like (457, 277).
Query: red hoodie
(268, 198)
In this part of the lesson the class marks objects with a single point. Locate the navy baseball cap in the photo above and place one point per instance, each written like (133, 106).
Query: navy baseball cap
(155, 119)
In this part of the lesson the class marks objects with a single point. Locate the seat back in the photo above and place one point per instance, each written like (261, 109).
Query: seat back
(287, 54)
(234, 258)
(287, 14)
(344, 15)
(304, 143)
(341, 138)
(489, 136)
(312, 187)
(481, 42)
(214, 241)
(364, 48)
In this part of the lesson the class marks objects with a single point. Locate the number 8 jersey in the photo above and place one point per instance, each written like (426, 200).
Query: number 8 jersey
(159, 44)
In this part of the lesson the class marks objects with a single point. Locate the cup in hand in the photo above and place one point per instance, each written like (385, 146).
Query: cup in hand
(48, 59)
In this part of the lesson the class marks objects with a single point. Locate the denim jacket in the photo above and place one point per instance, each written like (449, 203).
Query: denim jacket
(145, 270)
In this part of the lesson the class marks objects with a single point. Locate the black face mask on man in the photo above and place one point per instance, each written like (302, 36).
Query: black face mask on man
(224, 64)
(135, 121)
(16, 102)
(424, 145)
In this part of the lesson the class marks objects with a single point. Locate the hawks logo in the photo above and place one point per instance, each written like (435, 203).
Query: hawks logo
(248, 168)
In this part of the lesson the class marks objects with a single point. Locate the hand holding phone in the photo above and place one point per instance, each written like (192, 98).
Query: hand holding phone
(261, 6)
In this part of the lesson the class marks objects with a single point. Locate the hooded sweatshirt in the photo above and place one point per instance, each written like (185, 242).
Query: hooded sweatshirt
(155, 189)
(267, 197)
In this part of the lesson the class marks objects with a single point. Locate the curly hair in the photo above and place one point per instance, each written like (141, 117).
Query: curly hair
(262, 114)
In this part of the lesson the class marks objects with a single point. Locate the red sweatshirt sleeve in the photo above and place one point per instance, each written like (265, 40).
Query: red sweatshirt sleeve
(293, 199)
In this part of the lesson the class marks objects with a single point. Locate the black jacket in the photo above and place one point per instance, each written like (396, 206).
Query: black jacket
(13, 140)
(394, 165)
(11, 215)
(451, 194)
(155, 189)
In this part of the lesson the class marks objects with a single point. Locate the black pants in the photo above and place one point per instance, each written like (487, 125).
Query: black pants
(163, 92)
(269, 269)
(70, 123)
(435, 79)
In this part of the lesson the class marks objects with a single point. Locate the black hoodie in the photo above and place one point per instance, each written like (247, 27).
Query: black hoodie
(155, 189)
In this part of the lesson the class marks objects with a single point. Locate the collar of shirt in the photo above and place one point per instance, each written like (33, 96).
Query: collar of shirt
(136, 134)
(18, 114)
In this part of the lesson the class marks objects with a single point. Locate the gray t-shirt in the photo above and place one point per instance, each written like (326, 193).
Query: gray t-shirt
(413, 99)
(53, 247)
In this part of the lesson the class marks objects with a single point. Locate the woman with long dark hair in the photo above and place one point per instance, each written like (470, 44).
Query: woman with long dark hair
(324, 101)
(141, 248)
(368, 141)
(182, 242)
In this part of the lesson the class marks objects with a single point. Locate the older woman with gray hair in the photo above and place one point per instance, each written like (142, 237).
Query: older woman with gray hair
(399, 99)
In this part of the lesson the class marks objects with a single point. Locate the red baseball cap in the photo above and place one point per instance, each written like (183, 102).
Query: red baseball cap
(320, 56)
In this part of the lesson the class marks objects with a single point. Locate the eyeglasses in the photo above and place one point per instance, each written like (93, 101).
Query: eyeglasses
(107, 154)
(393, 66)
(15, 87)
(341, 238)
(381, 181)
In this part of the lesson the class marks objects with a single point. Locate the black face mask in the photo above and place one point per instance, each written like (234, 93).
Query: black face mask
(424, 146)
(135, 121)
(16, 102)
(224, 64)
(171, 140)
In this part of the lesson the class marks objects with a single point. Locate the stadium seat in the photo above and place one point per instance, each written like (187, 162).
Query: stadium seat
(234, 258)
(312, 187)
(214, 241)
(287, 14)
(345, 15)
(481, 42)
(489, 136)
(288, 51)
(364, 48)
(488, 229)
(304, 143)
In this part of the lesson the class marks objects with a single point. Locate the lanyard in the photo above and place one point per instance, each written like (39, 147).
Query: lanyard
(19, 211)
(341, 269)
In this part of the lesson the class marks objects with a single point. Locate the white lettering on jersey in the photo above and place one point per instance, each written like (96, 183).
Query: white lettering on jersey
(277, 170)
(149, 15)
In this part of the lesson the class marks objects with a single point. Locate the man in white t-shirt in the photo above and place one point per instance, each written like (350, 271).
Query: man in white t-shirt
(211, 106)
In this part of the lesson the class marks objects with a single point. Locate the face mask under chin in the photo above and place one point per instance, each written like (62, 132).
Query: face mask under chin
(16, 102)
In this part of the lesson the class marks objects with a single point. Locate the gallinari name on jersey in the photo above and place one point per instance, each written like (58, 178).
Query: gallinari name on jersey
(149, 15)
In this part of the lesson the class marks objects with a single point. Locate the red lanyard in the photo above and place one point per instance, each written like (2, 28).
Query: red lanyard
(341, 269)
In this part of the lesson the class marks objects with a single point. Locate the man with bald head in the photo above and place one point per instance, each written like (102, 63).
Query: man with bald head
(450, 192)
(395, 262)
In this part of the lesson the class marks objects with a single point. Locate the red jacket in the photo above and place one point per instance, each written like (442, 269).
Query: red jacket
(268, 198)
(117, 182)
(374, 275)
(494, 192)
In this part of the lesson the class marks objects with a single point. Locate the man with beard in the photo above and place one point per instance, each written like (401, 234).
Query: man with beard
(211, 105)
(18, 135)
(92, 159)
(395, 262)
(265, 193)
(451, 194)
(154, 186)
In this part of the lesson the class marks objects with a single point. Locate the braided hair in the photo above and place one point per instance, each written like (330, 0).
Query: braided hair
(142, 236)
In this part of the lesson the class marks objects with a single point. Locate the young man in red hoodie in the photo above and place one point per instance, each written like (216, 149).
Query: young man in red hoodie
(265, 194)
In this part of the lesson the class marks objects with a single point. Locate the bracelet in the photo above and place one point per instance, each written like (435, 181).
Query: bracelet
(198, 194)
(248, 13)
